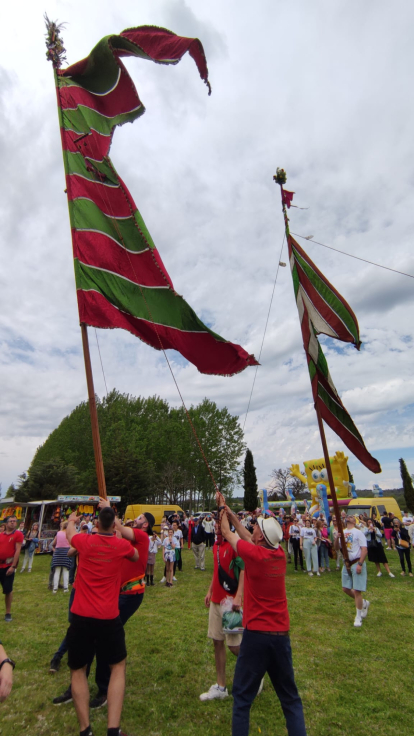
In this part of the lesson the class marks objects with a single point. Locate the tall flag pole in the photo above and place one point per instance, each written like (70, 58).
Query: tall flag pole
(56, 54)
(323, 310)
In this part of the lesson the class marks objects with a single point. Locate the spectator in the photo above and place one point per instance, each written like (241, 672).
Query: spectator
(178, 536)
(376, 552)
(407, 519)
(154, 545)
(402, 543)
(294, 533)
(208, 524)
(324, 547)
(309, 546)
(32, 542)
(198, 539)
(169, 557)
(354, 580)
(61, 563)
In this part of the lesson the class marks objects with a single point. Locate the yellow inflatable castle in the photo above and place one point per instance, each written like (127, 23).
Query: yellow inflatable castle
(316, 473)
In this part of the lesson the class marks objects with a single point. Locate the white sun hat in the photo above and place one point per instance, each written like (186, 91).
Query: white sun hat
(271, 530)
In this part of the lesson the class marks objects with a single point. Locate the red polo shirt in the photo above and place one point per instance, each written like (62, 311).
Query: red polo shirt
(8, 543)
(265, 605)
(227, 554)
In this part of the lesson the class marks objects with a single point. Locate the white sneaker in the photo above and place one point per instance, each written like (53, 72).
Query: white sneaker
(163, 579)
(379, 574)
(358, 621)
(175, 579)
(310, 574)
(260, 687)
(215, 693)
(318, 574)
(391, 575)
(365, 606)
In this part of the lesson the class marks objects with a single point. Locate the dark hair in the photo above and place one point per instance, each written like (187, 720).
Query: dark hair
(106, 518)
(151, 521)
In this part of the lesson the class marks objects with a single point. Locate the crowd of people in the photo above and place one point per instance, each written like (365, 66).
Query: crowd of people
(109, 563)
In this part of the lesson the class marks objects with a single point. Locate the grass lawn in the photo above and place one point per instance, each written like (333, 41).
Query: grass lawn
(352, 681)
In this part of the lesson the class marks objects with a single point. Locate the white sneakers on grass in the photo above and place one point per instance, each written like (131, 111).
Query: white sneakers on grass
(215, 693)
(365, 607)
(163, 579)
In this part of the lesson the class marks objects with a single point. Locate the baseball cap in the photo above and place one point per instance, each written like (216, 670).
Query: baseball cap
(271, 530)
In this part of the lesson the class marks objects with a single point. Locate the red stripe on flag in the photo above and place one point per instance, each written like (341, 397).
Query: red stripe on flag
(111, 200)
(94, 145)
(98, 250)
(202, 349)
(120, 100)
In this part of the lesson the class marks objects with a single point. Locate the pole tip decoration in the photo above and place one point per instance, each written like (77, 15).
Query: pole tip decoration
(280, 176)
(56, 52)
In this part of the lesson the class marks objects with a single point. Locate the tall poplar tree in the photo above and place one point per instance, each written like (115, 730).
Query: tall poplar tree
(249, 482)
(407, 486)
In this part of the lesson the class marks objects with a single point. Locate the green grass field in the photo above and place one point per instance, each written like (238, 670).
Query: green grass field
(352, 681)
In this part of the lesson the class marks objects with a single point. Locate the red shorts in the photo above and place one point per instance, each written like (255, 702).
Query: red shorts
(387, 533)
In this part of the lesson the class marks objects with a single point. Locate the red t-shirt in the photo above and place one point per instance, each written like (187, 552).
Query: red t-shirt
(227, 554)
(265, 605)
(99, 574)
(8, 546)
(132, 572)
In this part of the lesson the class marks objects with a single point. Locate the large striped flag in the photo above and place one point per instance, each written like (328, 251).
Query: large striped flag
(323, 310)
(121, 280)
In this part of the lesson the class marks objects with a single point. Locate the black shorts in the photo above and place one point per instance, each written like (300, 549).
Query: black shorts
(6, 580)
(88, 637)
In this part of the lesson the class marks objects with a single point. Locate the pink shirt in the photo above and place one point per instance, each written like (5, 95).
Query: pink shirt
(61, 540)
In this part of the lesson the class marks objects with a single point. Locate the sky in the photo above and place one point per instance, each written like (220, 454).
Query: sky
(321, 89)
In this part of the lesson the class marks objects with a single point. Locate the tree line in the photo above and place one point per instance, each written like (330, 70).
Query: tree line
(149, 449)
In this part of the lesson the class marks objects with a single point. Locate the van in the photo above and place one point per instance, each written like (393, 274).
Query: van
(377, 506)
(157, 511)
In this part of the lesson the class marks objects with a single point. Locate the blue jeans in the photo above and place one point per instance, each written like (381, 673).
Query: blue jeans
(64, 646)
(128, 604)
(324, 555)
(261, 653)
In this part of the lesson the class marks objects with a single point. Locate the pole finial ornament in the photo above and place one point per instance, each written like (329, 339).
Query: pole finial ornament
(56, 52)
(280, 176)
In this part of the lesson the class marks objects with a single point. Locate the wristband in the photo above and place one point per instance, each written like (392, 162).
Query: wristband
(9, 661)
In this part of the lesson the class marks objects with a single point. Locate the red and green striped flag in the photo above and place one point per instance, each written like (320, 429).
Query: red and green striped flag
(323, 310)
(121, 280)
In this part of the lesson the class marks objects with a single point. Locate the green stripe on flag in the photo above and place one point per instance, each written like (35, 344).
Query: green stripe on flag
(77, 164)
(82, 119)
(296, 282)
(328, 295)
(165, 307)
(312, 370)
(86, 215)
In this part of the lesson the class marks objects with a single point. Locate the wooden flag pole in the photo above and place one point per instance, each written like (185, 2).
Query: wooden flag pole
(56, 54)
(280, 179)
(100, 474)
(332, 487)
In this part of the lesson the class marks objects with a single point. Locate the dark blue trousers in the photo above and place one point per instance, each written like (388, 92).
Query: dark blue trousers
(261, 653)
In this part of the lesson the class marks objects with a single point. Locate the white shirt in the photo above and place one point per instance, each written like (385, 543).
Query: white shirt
(154, 544)
(355, 541)
(178, 535)
(308, 533)
(294, 531)
(407, 520)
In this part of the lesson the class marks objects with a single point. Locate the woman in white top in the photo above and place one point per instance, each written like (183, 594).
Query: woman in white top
(169, 557)
(154, 544)
(294, 536)
(309, 546)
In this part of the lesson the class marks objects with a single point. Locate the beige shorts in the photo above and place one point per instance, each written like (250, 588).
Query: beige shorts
(215, 628)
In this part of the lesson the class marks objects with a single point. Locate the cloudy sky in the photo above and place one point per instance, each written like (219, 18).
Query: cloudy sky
(322, 89)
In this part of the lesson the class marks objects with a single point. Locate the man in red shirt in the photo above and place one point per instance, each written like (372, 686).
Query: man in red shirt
(223, 584)
(96, 627)
(132, 585)
(10, 545)
(265, 645)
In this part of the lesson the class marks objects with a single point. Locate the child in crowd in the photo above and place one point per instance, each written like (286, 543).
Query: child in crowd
(154, 545)
(169, 557)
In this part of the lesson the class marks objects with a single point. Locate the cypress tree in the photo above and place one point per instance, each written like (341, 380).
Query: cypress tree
(249, 483)
(407, 486)
(351, 477)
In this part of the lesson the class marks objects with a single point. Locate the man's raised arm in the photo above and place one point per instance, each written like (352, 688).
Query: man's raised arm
(125, 531)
